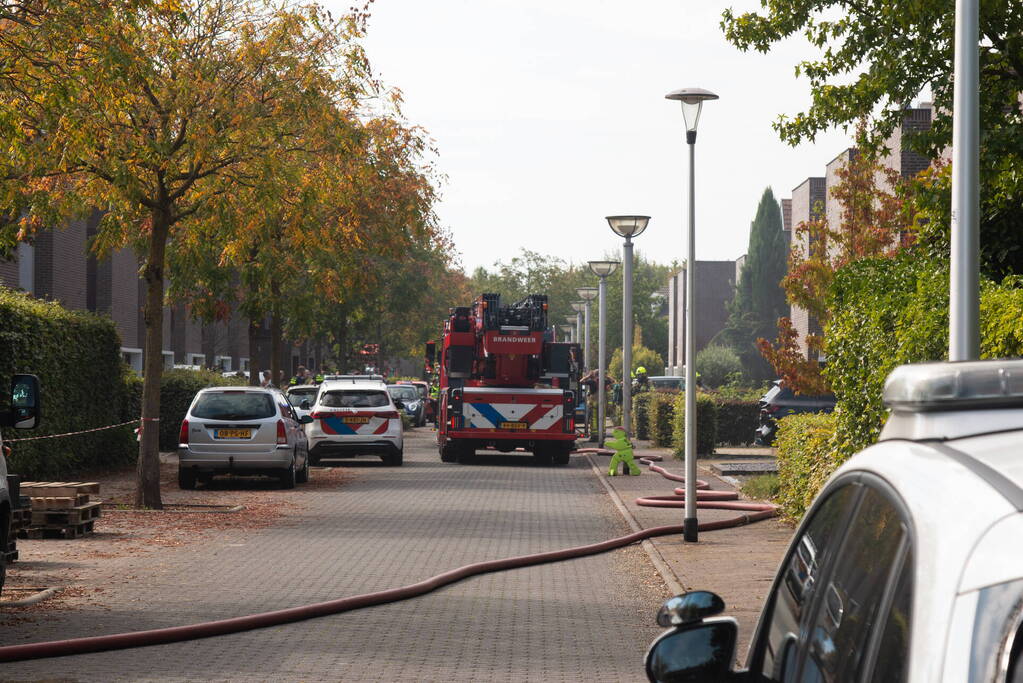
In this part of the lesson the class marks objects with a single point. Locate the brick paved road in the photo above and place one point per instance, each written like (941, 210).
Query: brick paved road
(588, 619)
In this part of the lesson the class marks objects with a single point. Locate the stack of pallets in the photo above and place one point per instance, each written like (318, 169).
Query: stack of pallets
(60, 509)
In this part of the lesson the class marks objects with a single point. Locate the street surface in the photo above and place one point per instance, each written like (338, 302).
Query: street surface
(586, 619)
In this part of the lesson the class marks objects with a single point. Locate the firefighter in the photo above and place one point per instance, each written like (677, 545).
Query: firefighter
(623, 454)
(642, 381)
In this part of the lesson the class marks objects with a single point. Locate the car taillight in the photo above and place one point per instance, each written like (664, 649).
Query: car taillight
(282, 436)
(183, 434)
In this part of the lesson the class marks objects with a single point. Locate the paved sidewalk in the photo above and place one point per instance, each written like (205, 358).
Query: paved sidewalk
(738, 564)
(567, 621)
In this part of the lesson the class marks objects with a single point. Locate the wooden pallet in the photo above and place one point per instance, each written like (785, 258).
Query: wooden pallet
(58, 502)
(58, 488)
(67, 532)
(67, 516)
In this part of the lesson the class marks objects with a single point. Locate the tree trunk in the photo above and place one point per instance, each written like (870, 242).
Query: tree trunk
(147, 485)
(275, 347)
(254, 369)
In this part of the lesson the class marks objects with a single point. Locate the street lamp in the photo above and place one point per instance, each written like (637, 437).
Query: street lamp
(567, 331)
(692, 100)
(587, 294)
(578, 307)
(602, 269)
(627, 227)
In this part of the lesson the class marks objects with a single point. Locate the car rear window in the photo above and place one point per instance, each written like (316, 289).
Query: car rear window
(234, 405)
(355, 398)
(296, 396)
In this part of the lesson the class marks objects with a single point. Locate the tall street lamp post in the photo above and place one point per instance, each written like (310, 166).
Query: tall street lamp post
(572, 321)
(567, 331)
(587, 294)
(602, 269)
(627, 227)
(692, 100)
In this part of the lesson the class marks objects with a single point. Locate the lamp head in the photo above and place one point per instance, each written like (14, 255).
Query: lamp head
(578, 306)
(628, 226)
(587, 293)
(692, 100)
(603, 268)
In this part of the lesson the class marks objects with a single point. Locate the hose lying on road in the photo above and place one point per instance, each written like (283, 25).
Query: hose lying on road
(120, 641)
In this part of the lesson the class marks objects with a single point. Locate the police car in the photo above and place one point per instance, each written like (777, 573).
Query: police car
(355, 417)
(908, 566)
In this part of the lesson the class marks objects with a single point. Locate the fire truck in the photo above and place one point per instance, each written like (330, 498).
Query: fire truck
(504, 383)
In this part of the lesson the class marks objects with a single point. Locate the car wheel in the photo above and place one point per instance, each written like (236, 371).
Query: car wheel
(302, 476)
(466, 454)
(394, 459)
(288, 477)
(542, 456)
(186, 479)
(562, 455)
(447, 453)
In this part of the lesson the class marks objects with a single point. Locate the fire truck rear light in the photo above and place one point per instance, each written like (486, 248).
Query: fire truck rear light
(183, 434)
(282, 435)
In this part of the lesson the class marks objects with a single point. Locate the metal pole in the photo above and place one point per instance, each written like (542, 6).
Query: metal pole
(578, 326)
(586, 360)
(627, 336)
(601, 361)
(964, 284)
(689, 523)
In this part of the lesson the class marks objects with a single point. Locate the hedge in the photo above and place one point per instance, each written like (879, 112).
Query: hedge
(706, 421)
(805, 459)
(661, 425)
(84, 383)
(640, 411)
(177, 389)
(737, 421)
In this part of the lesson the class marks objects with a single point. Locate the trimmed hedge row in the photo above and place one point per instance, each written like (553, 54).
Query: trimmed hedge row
(640, 414)
(737, 421)
(706, 423)
(805, 459)
(85, 384)
(661, 419)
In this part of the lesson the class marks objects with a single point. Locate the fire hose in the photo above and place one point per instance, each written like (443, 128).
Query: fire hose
(174, 634)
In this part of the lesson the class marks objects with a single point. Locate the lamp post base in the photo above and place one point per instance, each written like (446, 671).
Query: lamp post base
(690, 530)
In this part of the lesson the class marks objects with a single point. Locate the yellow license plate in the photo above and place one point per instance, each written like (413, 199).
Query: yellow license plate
(514, 425)
(233, 433)
(355, 420)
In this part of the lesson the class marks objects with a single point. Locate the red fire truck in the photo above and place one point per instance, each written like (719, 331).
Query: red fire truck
(504, 383)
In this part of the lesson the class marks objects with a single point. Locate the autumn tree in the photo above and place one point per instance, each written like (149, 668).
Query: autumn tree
(153, 112)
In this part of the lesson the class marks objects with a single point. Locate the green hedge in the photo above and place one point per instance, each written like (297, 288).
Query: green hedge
(661, 418)
(84, 385)
(706, 421)
(805, 459)
(177, 389)
(640, 412)
(737, 421)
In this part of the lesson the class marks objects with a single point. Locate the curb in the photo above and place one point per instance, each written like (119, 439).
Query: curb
(667, 575)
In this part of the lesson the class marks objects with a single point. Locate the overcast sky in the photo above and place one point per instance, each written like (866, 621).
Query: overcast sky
(550, 114)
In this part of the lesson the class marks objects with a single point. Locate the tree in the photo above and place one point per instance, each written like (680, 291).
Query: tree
(759, 299)
(877, 56)
(155, 112)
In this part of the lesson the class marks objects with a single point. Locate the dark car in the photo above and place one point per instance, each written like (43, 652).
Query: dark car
(408, 400)
(780, 401)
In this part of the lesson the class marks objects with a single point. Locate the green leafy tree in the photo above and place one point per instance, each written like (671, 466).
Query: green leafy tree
(717, 364)
(874, 57)
(759, 299)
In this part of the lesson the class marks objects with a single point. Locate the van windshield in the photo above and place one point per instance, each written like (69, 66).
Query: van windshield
(234, 405)
(355, 399)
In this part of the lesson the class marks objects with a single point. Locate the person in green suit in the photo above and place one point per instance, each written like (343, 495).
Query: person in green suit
(623, 453)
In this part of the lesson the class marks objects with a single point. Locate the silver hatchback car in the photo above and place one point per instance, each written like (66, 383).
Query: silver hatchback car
(242, 430)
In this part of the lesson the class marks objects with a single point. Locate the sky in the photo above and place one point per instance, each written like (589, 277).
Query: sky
(549, 115)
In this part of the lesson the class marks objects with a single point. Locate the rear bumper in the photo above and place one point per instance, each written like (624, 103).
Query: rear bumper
(348, 449)
(523, 436)
(220, 463)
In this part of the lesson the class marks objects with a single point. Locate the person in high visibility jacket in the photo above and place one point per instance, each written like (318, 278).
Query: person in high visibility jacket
(623, 453)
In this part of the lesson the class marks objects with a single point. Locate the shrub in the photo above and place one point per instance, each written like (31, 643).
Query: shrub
(640, 408)
(764, 487)
(642, 357)
(661, 418)
(805, 459)
(177, 390)
(77, 358)
(736, 421)
(706, 421)
(715, 365)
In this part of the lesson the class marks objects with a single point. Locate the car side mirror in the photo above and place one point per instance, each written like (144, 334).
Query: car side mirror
(25, 402)
(305, 405)
(305, 419)
(399, 404)
(698, 652)
(689, 607)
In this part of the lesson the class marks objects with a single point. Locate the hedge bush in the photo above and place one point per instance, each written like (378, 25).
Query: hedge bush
(84, 382)
(806, 459)
(706, 421)
(640, 411)
(177, 389)
(737, 421)
(661, 418)
(716, 364)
